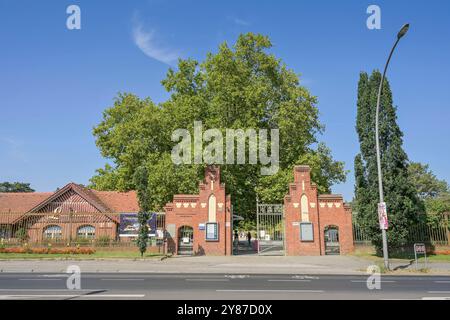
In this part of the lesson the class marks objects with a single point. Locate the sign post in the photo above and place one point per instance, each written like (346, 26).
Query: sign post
(382, 216)
(420, 248)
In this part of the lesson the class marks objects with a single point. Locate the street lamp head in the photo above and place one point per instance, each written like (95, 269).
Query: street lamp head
(403, 31)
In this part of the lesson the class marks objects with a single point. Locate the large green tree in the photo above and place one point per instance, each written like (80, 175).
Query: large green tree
(433, 191)
(427, 184)
(240, 87)
(403, 204)
(15, 187)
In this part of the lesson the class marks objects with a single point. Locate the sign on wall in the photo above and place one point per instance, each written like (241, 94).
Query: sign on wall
(306, 231)
(212, 231)
(129, 225)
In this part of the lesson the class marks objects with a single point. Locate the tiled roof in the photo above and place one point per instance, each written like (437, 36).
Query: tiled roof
(21, 202)
(112, 201)
(119, 201)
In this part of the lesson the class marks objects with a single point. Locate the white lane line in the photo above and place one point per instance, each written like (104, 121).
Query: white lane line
(439, 292)
(270, 290)
(33, 296)
(221, 280)
(288, 280)
(365, 281)
(442, 282)
(123, 279)
(51, 290)
(436, 298)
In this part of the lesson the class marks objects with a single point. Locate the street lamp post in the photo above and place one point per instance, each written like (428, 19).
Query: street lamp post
(401, 33)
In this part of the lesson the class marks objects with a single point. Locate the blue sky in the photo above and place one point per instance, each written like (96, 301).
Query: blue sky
(55, 82)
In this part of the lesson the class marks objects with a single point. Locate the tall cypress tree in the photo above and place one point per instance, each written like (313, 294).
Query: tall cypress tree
(403, 205)
(141, 182)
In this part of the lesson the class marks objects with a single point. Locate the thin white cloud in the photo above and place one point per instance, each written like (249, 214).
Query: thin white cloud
(146, 41)
(241, 22)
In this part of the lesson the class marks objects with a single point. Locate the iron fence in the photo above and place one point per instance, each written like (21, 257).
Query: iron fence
(70, 229)
(438, 235)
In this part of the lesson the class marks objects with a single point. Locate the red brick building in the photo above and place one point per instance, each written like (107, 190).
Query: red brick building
(201, 224)
(315, 224)
(73, 212)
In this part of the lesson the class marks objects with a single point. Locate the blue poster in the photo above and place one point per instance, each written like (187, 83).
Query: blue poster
(129, 225)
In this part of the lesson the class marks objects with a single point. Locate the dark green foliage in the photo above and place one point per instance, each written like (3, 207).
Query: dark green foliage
(141, 182)
(239, 87)
(404, 206)
(15, 187)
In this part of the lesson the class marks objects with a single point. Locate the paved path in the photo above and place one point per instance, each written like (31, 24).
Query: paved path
(220, 287)
(207, 264)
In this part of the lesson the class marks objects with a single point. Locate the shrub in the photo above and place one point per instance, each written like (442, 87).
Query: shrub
(21, 234)
(103, 241)
(48, 250)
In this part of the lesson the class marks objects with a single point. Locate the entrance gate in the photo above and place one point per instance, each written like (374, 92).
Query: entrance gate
(331, 236)
(270, 229)
(185, 240)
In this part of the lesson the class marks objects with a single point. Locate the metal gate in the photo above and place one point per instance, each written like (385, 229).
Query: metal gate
(331, 236)
(270, 229)
(185, 240)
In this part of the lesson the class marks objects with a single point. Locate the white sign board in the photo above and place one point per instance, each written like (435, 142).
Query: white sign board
(382, 216)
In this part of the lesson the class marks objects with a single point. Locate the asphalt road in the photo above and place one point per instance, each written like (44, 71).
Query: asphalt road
(220, 287)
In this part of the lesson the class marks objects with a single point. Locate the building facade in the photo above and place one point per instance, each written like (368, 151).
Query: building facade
(70, 214)
(315, 224)
(201, 224)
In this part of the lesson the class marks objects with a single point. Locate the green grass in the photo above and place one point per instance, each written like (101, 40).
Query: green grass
(431, 258)
(97, 255)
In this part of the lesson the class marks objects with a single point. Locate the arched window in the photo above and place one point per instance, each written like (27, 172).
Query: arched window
(53, 232)
(304, 208)
(86, 232)
(212, 209)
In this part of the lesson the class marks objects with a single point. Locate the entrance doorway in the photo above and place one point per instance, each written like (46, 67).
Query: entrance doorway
(270, 229)
(185, 240)
(331, 238)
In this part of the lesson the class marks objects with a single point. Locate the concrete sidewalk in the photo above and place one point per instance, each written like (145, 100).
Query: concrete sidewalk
(204, 264)
(348, 265)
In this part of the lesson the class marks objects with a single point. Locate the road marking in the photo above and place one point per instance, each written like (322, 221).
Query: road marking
(288, 280)
(436, 298)
(442, 281)
(305, 277)
(33, 296)
(439, 292)
(237, 276)
(207, 280)
(382, 281)
(270, 290)
(51, 290)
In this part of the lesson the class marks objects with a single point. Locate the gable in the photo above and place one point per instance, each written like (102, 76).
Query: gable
(70, 201)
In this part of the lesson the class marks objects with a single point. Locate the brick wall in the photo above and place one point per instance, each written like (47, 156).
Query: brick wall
(193, 210)
(303, 205)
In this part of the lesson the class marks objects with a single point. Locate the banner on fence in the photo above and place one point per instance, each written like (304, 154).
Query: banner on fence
(129, 225)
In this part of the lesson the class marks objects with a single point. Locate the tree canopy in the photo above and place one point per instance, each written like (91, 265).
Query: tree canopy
(15, 187)
(403, 204)
(240, 87)
(426, 183)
